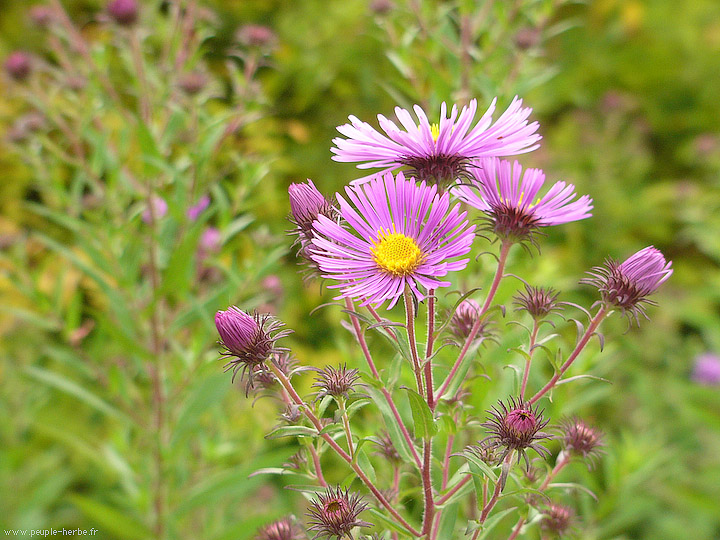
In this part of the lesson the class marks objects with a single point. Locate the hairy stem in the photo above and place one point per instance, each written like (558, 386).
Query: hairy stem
(412, 342)
(429, 347)
(528, 361)
(502, 259)
(599, 316)
(285, 382)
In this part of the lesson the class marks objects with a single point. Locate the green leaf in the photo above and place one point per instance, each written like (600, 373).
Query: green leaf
(292, 431)
(112, 521)
(447, 522)
(425, 426)
(396, 435)
(492, 522)
(365, 465)
(387, 522)
(63, 384)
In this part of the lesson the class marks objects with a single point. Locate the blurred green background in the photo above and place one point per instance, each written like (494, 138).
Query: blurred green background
(626, 96)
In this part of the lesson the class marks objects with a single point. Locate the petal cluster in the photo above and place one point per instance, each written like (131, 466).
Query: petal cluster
(500, 189)
(394, 233)
(439, 151)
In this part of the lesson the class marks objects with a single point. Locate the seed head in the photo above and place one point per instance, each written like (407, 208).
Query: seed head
(517, 426)
(286, 528)
(248, 340)
(537, 301)
(627, 285)
(557, 519)
(335, 382)
(124, 12)
(581, 440)
(335, 513)
(18, 65)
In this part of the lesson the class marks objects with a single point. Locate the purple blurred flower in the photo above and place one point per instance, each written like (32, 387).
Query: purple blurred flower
(500, 189)
(286, 528)
(255, 35)
(437, 153)
(194, 211)
(124, 12)
(397, 234)
(210, 240)
(627, 285)
(707, 369)
(191, 83)
(18, 65)
(159, 209)
(41, 16)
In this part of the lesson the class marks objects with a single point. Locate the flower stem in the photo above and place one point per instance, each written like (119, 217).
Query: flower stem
(412, 342)
(429, 512)
(531, 350)
(388, 397)
(318, 467)
(502, 259)
(599, 316)
(498, 488)
(285, 382)
(346, 424)
(429, 347)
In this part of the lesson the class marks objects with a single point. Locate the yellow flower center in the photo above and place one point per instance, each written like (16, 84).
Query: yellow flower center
(435, 131)
(396, 253)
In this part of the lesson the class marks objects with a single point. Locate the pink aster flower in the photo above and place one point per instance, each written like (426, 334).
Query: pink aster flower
(707, 369)
(441, 152)
(500, 189)
(627, 285)
(396, 233)
(194, 211)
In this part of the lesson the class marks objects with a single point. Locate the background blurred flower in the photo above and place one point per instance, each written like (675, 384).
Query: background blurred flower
(18, 65)
(194, 211)
(707, 369)
(159, 209)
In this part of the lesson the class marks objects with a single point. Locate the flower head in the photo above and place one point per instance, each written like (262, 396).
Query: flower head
(438, 153)
(517, 426)
(192, 82)
(580, 439)
(248, 340)
(500, 189)
(537, 301)
(306, 204)
(386, 448)
(707, 369)
(627, 285)
(210, 240)
(41, 16)
(336, 382)
(557, 519)
(464, 318)
(398, 234)
(256, 35)
(124, 12)
(335, 513)
(286, 528)
(18, 65)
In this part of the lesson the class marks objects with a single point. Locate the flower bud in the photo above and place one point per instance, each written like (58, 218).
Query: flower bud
(286, 528)
(124, 12)
(306, 203)
(41, 16)
(336, 382)
(557, 519)
(517, 426)
(627, 285)
(335, 513)
(537, 301)
(255, 35)
(191, 83)
(581, 440)
(18, 65)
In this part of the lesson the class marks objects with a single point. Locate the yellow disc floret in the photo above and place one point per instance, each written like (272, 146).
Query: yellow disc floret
(435, 131)
(396, 253)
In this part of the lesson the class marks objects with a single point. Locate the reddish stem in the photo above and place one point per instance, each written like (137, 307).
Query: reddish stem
(599, 316)
(526, 373)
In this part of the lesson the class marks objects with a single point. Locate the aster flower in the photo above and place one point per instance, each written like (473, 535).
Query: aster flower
(557, 519)
(517, 426)
(707, 369)
(336, 382)
(500, 189)
(398, 234)
(437, 153)
(286, 528)
(335, 513)
(627, 285)
(248, 340)
(306, 203)
(539, 302)
(580, 439)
